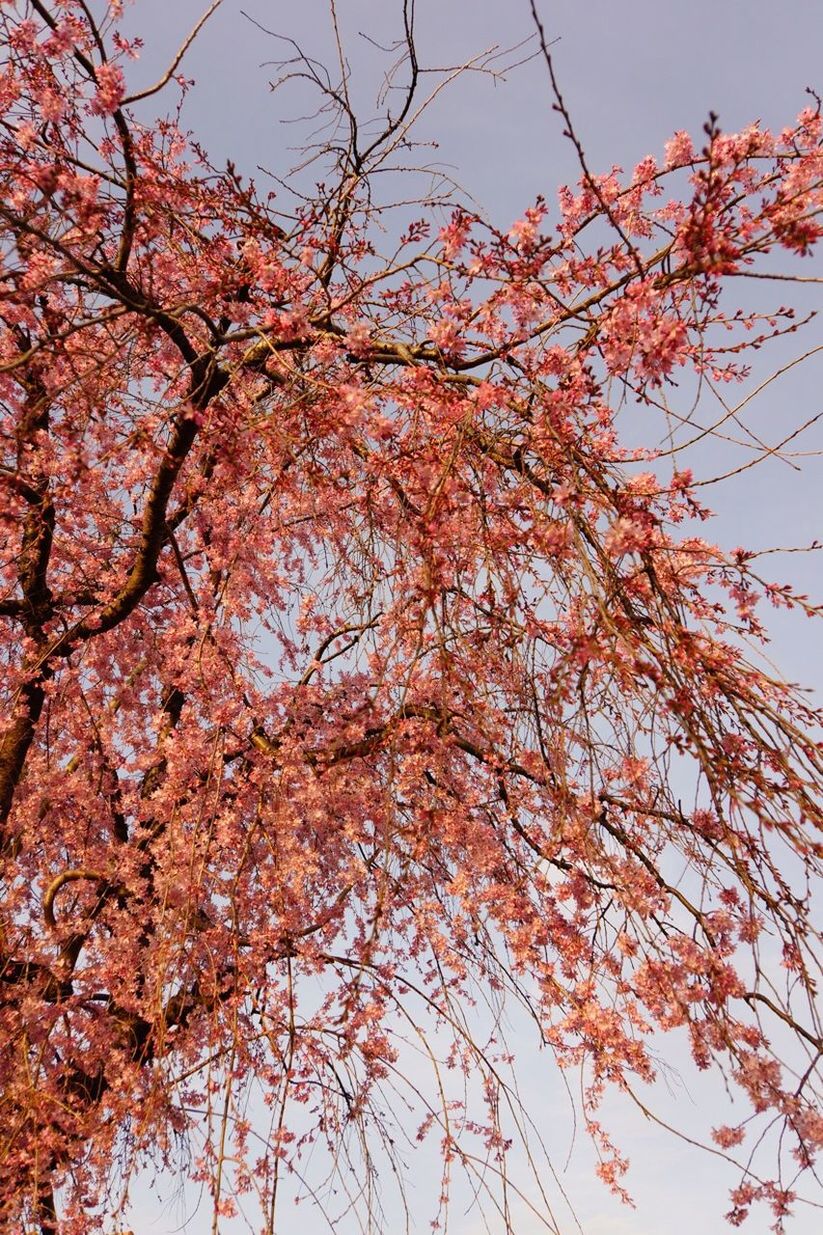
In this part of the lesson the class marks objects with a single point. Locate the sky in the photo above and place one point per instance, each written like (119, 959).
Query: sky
(631, 73)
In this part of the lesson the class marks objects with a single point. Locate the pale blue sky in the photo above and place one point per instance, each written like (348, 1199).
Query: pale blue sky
(632, 73)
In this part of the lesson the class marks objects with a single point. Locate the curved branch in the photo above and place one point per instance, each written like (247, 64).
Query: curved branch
(139, 95)
(60, 881)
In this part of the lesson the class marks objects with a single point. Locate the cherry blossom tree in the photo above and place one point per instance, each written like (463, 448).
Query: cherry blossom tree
(358, 673)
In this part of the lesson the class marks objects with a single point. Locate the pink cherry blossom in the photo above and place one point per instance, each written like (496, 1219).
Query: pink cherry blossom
(361, 627)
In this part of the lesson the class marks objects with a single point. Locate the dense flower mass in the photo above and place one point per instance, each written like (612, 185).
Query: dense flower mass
(353, 665)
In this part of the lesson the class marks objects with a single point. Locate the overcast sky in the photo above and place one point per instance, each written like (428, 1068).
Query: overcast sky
(632, 73)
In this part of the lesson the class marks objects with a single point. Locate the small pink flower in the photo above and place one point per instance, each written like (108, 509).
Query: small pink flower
(679, 150)
(727, 1137)
(51, 105)
(525, 232)
(110, 90)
